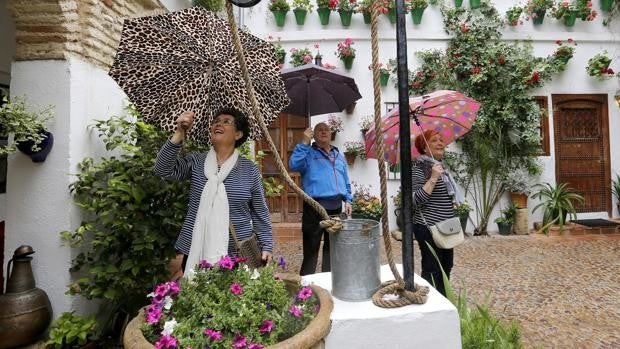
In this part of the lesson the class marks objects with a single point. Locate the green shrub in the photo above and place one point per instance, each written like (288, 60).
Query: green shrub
(71, 331)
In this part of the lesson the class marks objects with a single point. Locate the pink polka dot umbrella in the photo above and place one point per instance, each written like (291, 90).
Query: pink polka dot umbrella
(450, 113)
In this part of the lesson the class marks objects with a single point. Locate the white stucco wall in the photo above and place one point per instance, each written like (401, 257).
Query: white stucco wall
(39, 202)
(592, 37)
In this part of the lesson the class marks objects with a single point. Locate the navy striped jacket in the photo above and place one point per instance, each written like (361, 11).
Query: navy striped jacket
(246, 198)
(435, 207)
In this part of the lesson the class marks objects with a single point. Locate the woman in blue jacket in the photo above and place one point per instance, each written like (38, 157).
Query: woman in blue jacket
(325, 178)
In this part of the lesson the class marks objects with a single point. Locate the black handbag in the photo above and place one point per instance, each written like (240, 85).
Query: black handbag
(248, 248)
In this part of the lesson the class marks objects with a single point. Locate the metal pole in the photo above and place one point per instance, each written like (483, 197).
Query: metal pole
(405, 146)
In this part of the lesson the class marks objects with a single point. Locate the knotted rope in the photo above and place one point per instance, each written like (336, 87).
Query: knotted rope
(332, 225)
(395, 286)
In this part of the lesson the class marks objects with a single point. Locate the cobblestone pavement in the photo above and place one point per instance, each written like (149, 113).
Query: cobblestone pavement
(564, 291)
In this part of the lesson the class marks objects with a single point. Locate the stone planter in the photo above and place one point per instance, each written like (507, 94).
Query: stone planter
(310, 338)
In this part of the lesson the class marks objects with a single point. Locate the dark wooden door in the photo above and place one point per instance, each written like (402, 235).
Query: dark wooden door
(286, 131)
(581, 130)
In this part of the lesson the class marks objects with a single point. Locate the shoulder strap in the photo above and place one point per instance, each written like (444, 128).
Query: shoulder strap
(231, 229)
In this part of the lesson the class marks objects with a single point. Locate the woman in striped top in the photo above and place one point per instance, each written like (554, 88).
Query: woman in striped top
(433, 193)
(225, 188)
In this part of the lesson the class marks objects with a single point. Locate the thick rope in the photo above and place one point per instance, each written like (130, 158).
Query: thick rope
(329, 224)
(396, 287)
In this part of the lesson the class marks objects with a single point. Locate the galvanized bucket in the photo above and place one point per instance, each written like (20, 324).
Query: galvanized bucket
(355, 260)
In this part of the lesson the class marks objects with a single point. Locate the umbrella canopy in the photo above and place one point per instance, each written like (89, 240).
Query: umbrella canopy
(314, 90)
(450, 113)
(185, 60)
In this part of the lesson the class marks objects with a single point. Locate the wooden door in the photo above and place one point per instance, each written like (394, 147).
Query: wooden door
(581, 130)
(286, 131)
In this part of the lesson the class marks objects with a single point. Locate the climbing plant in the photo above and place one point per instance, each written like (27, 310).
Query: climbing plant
(501, 75)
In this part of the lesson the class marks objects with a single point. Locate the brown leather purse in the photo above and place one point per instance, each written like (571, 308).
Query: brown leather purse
(248, 248)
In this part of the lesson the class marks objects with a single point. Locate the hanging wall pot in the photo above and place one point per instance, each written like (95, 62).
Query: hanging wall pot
(45, 147)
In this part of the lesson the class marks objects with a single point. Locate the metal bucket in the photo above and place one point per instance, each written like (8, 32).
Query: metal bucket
(355, 263)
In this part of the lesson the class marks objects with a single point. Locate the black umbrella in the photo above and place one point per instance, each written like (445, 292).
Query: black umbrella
(314, 90)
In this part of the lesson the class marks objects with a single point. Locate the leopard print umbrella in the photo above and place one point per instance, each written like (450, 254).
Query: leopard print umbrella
(185, 60)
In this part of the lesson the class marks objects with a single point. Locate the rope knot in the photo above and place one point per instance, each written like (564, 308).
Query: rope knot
(332, 225)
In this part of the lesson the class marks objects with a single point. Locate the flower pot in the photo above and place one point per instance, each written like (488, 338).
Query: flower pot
(333, 135)
(300, 16)
(309, 337)
(324, 13)
(350, 108)
(280, 17)
(367, 17)
(607, 5)
(45, 147)
(399, 218)
(348, 62)
(474, 4)
(463, 219)
(504, 228)
(350, 158)
(345, 17)
(569, 20)
(384, 78)
(538, 16)
(458, 3)
(392, 16)
(416, 15)
(282, 59)
(364, 130)
(519, 199)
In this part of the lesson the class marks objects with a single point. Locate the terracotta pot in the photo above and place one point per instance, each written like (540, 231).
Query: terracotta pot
(519, 199)
(350, 157)
(310, 337)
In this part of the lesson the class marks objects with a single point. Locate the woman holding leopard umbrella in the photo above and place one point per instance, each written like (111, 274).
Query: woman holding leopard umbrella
(225, 188)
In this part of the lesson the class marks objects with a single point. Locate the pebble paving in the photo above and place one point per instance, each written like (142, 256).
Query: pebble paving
(563, 291)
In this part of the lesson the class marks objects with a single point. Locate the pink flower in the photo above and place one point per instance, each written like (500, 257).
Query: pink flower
(153, 314)
(348, 41)
(304, 293)
(266, 327)
(236, 289)
(166, 342)
(213, 334)
(226, 263)
(161, 290)
(295, 310)
(255, 346)
(205, 265)
(174, 287)
(240, 342)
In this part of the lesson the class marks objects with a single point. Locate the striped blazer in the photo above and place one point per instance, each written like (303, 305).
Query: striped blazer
(246, 198)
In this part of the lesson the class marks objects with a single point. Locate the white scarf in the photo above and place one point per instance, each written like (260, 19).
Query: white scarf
(210, 234)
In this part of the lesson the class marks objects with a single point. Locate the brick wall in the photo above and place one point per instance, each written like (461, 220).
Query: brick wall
(89, 29)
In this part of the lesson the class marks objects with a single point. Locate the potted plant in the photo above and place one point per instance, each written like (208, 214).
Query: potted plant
(505, 221)
(72, 331)
(518, 183)
(352, 150)
(384, 73)
(513, 15)
(301, 8)
(364, 7)
(536, 9)
(569, 12)
(462, 211)
(563, 53)
(345, 9)
(388, 8)
(335, 124)
(279, 9)
(397, 200)
(417, 10)
(365, 123)
(346, 53)
(607, 5)
(557, 203)
(280, 52)
(324, 10)
(598, 66)
(364, 204)
(229, 305)
(300, 56)
(27, 128)
(615, 190)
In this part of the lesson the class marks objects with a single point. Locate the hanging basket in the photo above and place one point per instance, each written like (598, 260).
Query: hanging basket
(474, 4)
(384, 78)
(308, 338)
(607, 5)
(458, 3)
(300, 16)
(349, 109)
(350, 157)
(569, 20)
(366, 16)
(348, 62)
(333, 137)
(416, 15)
(392, 16)
(45, 147)
(539, 17)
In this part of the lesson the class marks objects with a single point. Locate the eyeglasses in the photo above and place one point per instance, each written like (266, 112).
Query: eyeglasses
(223, 122)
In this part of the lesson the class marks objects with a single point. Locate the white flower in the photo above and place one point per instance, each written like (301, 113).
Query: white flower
(151, 295)
(167, 303)
(255, 274)
(169, 327)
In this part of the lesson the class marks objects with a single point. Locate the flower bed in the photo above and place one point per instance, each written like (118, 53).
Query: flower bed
(230, 305)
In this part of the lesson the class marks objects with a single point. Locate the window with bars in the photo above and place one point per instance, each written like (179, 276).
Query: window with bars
(543, 104)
